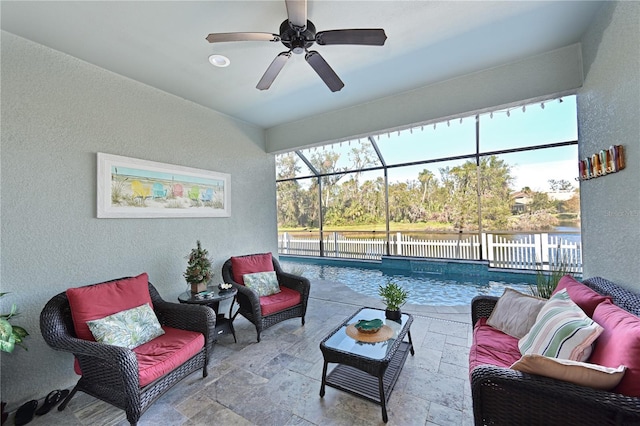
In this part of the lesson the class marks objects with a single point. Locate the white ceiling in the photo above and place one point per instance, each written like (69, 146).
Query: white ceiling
(162, 44)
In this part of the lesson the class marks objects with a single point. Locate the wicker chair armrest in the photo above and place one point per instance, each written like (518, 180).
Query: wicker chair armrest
(95, 355)
(481, 307)
(518, 392)
(248, 299)
(199, 318)
(295, 282)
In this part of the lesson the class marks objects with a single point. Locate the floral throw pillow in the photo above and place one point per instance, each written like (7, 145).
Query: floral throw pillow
(265, 283)
(129, 329)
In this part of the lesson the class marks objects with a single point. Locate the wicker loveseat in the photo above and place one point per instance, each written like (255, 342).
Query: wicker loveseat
(130, 379)
(504, 396)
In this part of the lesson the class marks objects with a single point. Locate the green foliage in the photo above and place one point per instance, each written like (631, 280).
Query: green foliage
(393, 295)
(446, 199)
(199, 266)
(11, 334)
(547, 281)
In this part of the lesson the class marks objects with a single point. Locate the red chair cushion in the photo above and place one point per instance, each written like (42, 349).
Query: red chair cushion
(100, 300)
(166, 353)
(279, 301)
(586, 298)
(619, 344)
(250, 264)
(163, 354)
(492, 346)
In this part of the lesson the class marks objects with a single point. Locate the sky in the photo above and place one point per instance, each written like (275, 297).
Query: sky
(535, 124)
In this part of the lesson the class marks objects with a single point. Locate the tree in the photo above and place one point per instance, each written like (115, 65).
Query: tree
(560, 185)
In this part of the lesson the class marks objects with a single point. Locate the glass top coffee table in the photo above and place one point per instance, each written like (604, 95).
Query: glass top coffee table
(367, 368)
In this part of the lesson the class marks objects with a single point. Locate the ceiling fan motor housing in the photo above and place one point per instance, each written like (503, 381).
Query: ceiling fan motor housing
(298, 42)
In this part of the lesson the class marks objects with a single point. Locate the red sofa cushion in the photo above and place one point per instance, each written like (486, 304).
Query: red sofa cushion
(250, 264)
(100, 300)
(163, 354)
(586, 298)
(619, 344)
(492, 346)
(279, 301)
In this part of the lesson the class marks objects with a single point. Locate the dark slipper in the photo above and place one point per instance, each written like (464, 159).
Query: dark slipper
(25, 413)
(51, 401)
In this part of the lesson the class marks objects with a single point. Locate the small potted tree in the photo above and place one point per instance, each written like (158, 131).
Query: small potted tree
(394, 297)
(198, 272)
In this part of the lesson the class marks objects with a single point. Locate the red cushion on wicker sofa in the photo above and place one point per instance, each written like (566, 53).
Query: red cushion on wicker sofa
(580, 294)
(250, 264)
(101, 300)
(492, 346)
(166, 353)
(279, 301)
(619, 344)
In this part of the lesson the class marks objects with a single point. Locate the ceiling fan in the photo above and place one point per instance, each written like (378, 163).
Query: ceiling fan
(299, 34)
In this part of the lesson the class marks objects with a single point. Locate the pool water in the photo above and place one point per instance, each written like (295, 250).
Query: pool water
(424, 289)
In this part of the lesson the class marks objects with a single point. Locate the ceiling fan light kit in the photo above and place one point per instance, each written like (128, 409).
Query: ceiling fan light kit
(298, 34)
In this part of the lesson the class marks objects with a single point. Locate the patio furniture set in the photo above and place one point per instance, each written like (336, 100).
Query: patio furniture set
(132, 368)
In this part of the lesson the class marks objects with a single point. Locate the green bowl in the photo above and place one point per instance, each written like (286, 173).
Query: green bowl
(369, 326)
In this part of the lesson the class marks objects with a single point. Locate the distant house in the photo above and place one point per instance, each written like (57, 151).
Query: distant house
(520, 202)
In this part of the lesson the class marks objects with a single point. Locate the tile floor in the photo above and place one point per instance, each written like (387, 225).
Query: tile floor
(277, 381)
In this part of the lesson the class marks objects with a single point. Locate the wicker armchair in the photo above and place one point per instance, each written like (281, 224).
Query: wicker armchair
(249, 301)
(502, 396)
(110, 373)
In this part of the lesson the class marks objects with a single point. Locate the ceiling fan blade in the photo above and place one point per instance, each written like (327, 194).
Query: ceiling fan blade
(224, 37)
(366, 36)
(297, 13)
(326, 73)
(274, 69)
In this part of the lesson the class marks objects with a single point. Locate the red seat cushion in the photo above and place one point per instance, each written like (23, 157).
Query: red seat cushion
(163, 354)
(492, 346)
(279, 301)
(166, 353)
(251, 264)
(101, 300)
(586, 298)
(619, 344)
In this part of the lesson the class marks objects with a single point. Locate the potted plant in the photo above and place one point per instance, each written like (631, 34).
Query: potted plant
(198, 272)
(10, 336)
(394, 297)
(547, 281)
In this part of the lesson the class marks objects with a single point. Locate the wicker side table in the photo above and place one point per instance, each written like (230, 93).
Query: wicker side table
(224, 324)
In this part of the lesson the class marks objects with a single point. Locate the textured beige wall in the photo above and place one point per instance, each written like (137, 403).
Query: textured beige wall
(57, 112)
(608, 114)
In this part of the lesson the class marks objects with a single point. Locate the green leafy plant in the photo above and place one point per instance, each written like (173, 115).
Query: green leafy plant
(547, 281)
(393, 295)
(198, 266)
(11, 334)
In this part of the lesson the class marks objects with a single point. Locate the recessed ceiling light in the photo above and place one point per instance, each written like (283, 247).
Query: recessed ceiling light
(219, 61)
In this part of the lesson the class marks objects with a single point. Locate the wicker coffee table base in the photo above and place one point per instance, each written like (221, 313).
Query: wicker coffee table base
(364, 385)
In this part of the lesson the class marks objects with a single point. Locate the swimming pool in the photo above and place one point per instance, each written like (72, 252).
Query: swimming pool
(424, 289)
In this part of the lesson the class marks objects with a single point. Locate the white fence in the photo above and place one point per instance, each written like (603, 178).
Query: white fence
(528, 251)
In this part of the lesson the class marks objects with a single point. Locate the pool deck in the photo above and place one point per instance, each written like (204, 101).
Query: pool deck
(276, 382)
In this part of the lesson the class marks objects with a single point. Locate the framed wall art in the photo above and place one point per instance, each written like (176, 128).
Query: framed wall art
(132, 188)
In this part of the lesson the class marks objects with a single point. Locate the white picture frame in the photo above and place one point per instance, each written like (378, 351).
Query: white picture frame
(133, 188)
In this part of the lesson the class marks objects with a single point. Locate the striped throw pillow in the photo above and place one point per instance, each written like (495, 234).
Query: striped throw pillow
(562, 330)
